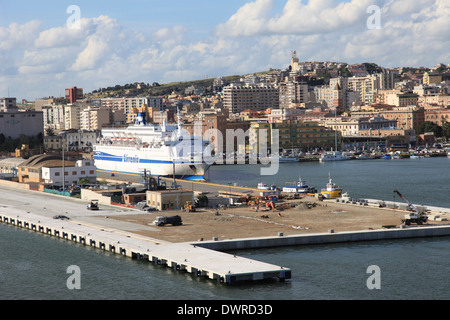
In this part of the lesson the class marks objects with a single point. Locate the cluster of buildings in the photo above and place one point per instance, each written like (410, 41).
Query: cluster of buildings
(312, 105)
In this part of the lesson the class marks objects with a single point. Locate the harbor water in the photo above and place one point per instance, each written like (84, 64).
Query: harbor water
(35, 266)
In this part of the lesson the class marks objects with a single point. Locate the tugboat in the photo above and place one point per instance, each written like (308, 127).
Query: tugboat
(331, 190)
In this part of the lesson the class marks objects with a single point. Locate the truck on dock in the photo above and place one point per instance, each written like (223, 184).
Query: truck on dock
(93, 205)
(162, 221)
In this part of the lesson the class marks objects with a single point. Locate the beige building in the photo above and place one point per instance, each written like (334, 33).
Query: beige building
(292, 93)
(237, 98)
(403, 99)
(72, 116)
(94, 118)
(171, 199)
(429, 78)
(366, 87)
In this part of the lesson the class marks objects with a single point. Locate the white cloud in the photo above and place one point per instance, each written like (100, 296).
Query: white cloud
(18, 36)
(248, 20)
(316, 16)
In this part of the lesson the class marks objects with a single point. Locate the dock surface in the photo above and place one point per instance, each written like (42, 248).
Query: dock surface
(37, 211)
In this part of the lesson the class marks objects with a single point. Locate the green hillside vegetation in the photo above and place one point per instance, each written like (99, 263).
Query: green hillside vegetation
(156, 89)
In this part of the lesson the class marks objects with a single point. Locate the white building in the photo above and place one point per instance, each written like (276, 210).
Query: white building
(54, 117)
(73, 172)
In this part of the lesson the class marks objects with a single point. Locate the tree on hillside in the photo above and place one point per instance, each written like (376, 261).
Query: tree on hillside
(446, 129)
(429, 126)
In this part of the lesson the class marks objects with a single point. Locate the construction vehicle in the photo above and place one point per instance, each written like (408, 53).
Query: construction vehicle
(189, 207)
(93, 205)
(415, 216)
(162, 221)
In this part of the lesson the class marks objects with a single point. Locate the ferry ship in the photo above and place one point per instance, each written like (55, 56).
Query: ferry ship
(157, 149)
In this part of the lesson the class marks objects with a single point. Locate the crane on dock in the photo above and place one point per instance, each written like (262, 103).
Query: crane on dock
(415, 216)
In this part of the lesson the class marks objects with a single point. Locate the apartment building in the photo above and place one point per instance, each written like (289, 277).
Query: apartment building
(438, 116)
(237, 98)
(72, 140)
(366, 87)
(337, 94)
(293, 134)
(430, 78)
(152, 102)
(402, 99)
(292, 93)
(53, 117)
(352, 127)
(434, 100)
(73, 94)
(407, 117)
(113, 103)
(80, 140)
(94, 118)
(72, 116)
(286, 114)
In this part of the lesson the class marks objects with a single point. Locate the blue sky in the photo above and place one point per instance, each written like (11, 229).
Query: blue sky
(174, 40)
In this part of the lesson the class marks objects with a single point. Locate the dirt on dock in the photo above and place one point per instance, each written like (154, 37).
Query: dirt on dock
(293, 217)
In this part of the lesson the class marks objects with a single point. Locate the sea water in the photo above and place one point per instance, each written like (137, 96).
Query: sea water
(36, 266)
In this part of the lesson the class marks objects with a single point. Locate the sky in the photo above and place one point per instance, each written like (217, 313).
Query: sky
(46, 46)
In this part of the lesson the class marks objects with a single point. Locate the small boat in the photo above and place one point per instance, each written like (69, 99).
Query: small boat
(298, 187)
(333, 156)
(331, 190)
(386, 156)
(364, 157)
(291, 157)
(263, 186)
(416, 156)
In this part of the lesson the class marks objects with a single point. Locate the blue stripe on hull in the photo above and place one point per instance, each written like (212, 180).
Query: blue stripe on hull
(186, 177)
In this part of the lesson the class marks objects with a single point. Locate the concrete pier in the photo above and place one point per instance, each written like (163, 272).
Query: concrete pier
(218, 266)
(326, 238)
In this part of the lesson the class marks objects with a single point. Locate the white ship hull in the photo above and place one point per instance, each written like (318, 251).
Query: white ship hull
(130, 160)
(159, 150)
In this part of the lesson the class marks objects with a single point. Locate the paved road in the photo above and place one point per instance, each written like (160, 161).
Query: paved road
(49, 205)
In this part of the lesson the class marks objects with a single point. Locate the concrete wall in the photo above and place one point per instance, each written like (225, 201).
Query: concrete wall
(15, 185)
(87, 194)
(311, 239)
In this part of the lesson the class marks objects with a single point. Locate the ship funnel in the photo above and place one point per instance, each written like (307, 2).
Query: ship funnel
(141, 118)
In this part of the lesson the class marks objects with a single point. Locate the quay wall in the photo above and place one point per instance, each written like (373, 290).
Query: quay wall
(326, 238)
(14, 185)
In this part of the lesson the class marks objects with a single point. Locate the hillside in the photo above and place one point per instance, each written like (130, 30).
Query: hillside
(156, 89)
